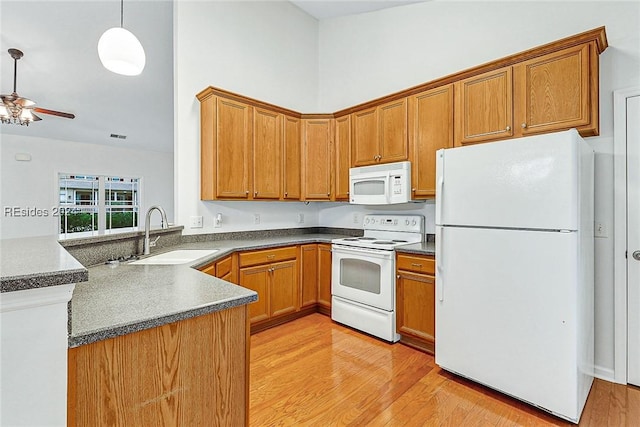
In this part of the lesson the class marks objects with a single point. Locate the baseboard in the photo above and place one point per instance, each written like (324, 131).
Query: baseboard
(605, 374)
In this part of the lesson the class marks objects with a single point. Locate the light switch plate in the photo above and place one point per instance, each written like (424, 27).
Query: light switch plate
(256, 218)
(300, 218)
(600, 230)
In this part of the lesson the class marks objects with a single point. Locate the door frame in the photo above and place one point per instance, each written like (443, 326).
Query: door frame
(620, 230)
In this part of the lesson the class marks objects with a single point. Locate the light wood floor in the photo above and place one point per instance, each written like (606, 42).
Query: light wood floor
(314, 372)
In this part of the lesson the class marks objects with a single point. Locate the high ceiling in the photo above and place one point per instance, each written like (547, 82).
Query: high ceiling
(61, 70)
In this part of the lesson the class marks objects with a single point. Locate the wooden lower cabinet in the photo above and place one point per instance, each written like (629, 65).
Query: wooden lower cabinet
(225, 269)
(415, 301)
(315, 277)
(273, 274)
(324, 278)
(192, 372)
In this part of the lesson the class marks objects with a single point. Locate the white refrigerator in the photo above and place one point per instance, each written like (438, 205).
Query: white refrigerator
(514, 259)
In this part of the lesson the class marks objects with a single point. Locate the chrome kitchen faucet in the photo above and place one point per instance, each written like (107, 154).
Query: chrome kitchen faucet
(165, 224)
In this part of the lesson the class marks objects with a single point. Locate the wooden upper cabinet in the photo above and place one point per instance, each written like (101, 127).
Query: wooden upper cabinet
(393, 131)
(225, 146)
(364, 142)
(342, 147)
(234, 149)
(484, 107)
(554, 92)
(267, 149)
(317, 160)
(379, 134)
(430, 129)
(291, 158)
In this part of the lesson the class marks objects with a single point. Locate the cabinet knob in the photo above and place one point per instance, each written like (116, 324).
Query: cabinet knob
(328, 194)
(255, 193)
(524, 126)
(246, 192)
(286, 194)
(508, 128)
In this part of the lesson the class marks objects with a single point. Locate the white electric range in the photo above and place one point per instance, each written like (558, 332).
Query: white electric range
(363, 279)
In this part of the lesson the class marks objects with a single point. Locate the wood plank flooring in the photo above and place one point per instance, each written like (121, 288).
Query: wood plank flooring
(314, 372)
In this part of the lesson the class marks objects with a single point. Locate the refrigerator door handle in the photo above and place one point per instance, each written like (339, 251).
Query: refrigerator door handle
(439, 262)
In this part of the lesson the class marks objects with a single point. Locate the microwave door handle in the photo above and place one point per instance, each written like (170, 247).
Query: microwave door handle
(389, 187)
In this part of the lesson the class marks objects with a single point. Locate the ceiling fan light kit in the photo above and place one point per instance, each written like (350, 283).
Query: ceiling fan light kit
(120, 51)
(15, 109)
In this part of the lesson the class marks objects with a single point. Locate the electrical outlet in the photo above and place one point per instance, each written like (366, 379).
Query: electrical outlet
(256, 218)
(217, 221)
(196, 222)
(300, 218)
(356, 220)
(600, 230)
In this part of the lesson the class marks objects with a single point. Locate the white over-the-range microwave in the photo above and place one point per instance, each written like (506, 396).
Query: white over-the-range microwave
(384, 184)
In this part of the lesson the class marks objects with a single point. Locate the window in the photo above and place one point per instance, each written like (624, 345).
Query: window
(96, 204)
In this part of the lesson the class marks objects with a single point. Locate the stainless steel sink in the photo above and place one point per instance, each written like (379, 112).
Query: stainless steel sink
(180, 256)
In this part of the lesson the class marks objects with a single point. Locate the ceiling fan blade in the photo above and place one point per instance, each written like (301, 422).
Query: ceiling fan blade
(23, 102)
(35, 118)
(54, 113)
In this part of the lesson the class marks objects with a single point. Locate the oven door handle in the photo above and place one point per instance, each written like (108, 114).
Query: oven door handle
(362, 252)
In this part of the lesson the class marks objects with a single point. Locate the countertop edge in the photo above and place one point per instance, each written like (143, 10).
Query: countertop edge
(117, 331)
(43, 280)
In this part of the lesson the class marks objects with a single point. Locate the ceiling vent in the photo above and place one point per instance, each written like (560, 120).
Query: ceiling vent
(115, 135)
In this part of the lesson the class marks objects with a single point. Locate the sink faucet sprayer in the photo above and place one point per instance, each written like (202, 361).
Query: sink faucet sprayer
(165, 224)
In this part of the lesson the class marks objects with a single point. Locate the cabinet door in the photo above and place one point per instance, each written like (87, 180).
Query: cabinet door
(257, 279)
(316, 159)
(324, 275)
(484, 107)
(309, 275)
(283, 288)
(233, 147)
(415, 305)
(291, 158)
(342, 157)
(430, 129)
(552, 92)
(393, 131)
(364, 142)
(267, 149)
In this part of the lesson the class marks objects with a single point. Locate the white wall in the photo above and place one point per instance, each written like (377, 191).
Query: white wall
(370, 55)
(34, 183)
(264, 50)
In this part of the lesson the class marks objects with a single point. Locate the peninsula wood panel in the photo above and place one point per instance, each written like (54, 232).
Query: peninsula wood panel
(233, 146)
(484, 107)
(192, 372)
(431, 126)
(342, 156)
(308, 275)
(552, 92)
(291, 158)
(267, 149)
(317, 159)
(393, 131)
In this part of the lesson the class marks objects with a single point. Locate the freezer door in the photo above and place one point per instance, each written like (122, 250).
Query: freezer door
(507, 310)
(530, 183)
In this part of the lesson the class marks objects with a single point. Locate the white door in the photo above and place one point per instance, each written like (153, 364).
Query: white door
(633, 240)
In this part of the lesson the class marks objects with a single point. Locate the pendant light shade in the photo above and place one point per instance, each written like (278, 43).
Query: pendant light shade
(121, 52)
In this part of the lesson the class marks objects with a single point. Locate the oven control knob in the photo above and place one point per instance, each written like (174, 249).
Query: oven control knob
(366, 221)
(414, 222)
(395, 222)
(406, 222)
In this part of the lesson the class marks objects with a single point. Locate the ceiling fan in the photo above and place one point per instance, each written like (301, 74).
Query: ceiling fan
(18, 110)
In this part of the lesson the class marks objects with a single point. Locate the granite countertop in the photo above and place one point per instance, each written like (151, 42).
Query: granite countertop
(37, 262)
(423, 248)
(123, 298)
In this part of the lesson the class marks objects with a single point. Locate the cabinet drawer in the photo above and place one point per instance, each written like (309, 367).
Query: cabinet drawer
(223, 267)
(267, 256)
(419, 264)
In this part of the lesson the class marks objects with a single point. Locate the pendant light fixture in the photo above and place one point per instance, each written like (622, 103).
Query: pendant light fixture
(120, 51)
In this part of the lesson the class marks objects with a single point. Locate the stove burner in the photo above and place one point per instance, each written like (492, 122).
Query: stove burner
(350, 239)
(383, 242)
(366, 238)
(399, 241)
